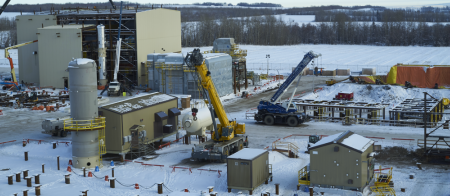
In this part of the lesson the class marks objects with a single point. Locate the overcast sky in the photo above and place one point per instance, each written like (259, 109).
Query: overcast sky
(284, 3)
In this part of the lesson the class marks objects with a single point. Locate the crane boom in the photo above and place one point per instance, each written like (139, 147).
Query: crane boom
(13, 73)
(119, 43)
(4, 6)
(283, 88)
(226, 130)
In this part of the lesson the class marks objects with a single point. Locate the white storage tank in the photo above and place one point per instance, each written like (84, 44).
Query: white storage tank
(199, 126)
(84, 106)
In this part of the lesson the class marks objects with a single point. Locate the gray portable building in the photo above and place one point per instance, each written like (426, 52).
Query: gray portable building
(167, 73)
(151, 116)
(247, 169)
(342, 160)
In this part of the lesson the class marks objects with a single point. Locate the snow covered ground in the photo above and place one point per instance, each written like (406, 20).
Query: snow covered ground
(23, 123)
(353, 57)
(14, 14)
(13, 53)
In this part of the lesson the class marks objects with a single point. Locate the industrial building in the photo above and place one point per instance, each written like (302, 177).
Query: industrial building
(247, 169)
(239, 71)
(167, 73)
(132, 124)
(342, 160)
(59, 45)
(142, 32)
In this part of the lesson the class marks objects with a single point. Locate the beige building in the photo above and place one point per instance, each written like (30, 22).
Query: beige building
(140, 120)
(342, 160)
(27, 26)
(58, 45)
(247, 169)
(142, 32)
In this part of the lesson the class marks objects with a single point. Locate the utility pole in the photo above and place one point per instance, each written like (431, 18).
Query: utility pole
(267, 57)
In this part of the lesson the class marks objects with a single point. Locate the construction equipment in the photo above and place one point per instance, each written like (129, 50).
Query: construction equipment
(13, 81)
(112, 4)
(4, 6)
(312, 140)
(271, 112)
(344, 96)
(408, 84)
(224, 140)
(10, 85)
(115, 87)
(331, 82)
(54, 127)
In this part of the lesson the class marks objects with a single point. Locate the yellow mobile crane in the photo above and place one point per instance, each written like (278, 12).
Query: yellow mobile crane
(13, 81)
(225, 140)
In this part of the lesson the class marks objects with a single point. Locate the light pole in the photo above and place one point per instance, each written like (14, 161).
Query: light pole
(267, 57)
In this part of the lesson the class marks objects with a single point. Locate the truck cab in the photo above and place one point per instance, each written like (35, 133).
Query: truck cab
(114, 88)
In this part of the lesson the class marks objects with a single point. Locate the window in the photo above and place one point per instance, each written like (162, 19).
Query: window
(236, 163)
(350, 181)
(244, 163)
(336, 149)
(315, 152)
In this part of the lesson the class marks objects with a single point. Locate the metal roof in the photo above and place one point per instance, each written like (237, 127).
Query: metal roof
(137, 102)
(348, 139)
(247, 154)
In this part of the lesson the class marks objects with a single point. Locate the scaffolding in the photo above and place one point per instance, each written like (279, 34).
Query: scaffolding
(412, 110)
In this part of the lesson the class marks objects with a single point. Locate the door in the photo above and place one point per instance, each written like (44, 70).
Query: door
(66, 83)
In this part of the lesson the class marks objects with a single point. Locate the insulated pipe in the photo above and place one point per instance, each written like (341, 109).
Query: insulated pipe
(101, 54)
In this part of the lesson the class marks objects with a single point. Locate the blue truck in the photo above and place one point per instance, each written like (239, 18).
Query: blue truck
(275, 112)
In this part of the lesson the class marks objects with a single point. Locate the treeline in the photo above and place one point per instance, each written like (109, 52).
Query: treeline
(8, 25)
(189, 14)
(259, 4)
(387, 15)
(270, 30)
(212, 4)
(314, 9)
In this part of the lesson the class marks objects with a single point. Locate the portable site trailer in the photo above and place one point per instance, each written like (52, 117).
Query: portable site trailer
(247, 169)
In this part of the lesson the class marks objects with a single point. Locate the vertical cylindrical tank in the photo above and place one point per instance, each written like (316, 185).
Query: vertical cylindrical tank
(101, 55)
(84, 106)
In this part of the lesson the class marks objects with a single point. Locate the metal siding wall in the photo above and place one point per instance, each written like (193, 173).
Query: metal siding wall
(239, 175)
(364, 166)
(157, 29)
(260, 170)
(335, 175)
(26, 31)
(176, 78)
(220, 68)
(148, 116)
(56, 53)
(113, 131)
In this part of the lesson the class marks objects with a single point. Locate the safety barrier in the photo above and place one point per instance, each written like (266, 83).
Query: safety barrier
(210, 170)
(175, 167)
(40, 141)
(8, 142)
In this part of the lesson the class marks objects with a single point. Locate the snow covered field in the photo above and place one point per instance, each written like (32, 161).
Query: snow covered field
(353, 57)
(23, 124)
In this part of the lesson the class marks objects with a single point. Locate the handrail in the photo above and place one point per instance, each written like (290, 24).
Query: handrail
(77, 125)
